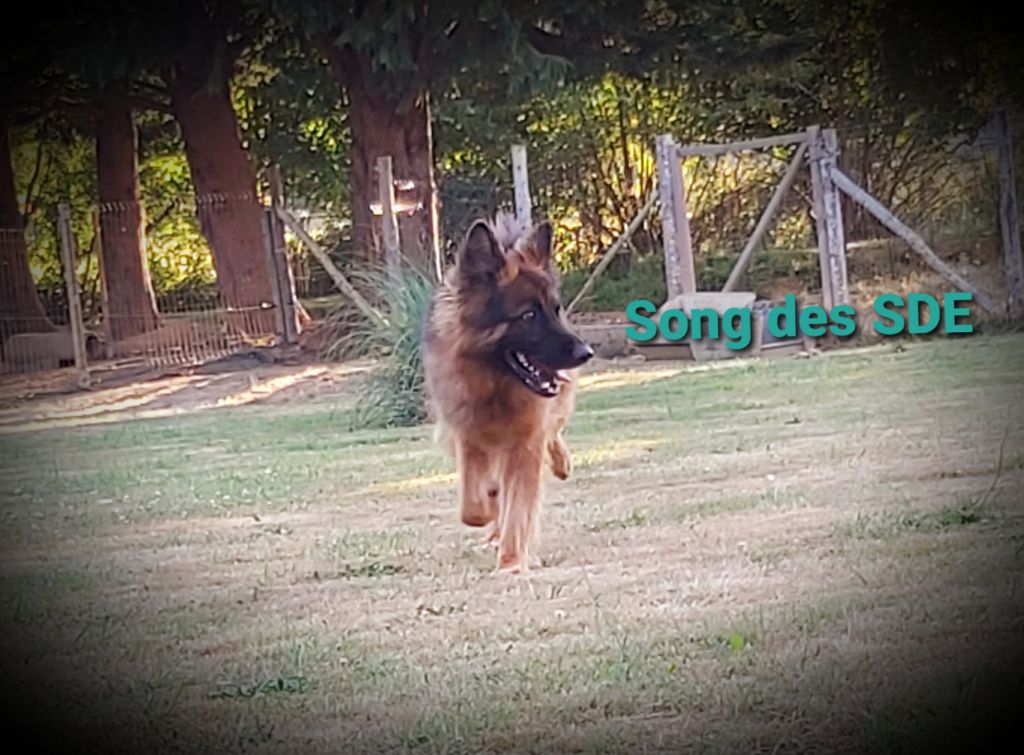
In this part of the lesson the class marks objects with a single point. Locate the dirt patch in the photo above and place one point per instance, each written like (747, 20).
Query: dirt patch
(54, 399)
(123, 392)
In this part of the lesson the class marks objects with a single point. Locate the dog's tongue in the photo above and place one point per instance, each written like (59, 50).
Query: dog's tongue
(562, 376)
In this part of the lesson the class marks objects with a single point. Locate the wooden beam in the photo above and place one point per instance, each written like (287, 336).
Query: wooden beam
(108, 327)
(894, 224)
(680, 276)
(614, 249)
(521, 185)
(764, 222)
(684, 242)
(665, 150)
(269, 244)
(818, 204)
(286, 297)
(386, 190)
(691, 150)
(67, 249)
(828, 212)
(324, 259)
(1009, 216)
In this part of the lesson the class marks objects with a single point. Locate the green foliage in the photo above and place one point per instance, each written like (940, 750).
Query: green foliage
(179, 256)
(413, 47)
(54, 164)
(644, 279)
(276, 685)
(291, 114)
(592, 162)
(394, 392)
(586, 86)
(946, 62)
(898, 524)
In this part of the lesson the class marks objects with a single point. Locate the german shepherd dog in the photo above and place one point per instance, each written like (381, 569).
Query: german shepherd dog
(499, 362)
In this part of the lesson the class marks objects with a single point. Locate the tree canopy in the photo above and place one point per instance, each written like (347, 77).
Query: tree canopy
(323, 89)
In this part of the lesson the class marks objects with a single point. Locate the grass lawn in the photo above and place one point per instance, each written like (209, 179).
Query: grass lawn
(803, 555)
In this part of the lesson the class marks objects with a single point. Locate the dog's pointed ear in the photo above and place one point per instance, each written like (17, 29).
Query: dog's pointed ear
(541, 241)
(481, 257)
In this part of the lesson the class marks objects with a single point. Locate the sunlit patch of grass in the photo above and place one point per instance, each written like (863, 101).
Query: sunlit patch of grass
(620, 379)
(614, 451)
(424, 482)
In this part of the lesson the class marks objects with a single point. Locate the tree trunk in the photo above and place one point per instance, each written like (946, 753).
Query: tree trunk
(20, 308)
(384, 125)
(129, 298)
(225, 185)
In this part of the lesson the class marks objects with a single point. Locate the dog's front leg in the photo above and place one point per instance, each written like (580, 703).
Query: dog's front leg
(519, 507)
(558, 455)
(477, 507)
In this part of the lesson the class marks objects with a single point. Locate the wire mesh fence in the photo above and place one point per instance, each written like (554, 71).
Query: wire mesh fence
(464, 201)
(334, 235)
(183, 283)
(951, 192)
(34, 324)
(725, 196)
(947, 192)
(182, 280)
(205, 290)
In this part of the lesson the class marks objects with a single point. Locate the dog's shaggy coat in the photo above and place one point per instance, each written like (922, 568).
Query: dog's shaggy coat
(499, 361)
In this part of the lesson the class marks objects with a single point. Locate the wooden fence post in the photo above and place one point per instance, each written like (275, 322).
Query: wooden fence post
(67, 249)
(684, 242)
(521, 185)
(824, 146)
(386, 188)
(287, 298)
(269, 242)
(680, 275)
(1009, 216)
(108, 327)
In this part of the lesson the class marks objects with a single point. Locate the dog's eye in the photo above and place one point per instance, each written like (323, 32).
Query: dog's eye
(528, 315)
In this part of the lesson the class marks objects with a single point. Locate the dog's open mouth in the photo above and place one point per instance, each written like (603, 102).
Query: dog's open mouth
(536, 376)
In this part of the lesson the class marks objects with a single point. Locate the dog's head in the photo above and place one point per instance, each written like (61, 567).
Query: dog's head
(509, 292)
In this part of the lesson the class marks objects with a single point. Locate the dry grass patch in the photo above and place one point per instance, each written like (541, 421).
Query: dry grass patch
(780, 556)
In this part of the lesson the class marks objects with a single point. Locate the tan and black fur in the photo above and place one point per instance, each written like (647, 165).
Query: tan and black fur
(500, 362)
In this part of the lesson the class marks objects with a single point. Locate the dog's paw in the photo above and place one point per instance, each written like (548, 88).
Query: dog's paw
(513, 570)
(560, 461)
(512, 565)
(490, 540)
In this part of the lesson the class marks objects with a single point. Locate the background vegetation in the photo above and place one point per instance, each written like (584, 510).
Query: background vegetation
(587, 92)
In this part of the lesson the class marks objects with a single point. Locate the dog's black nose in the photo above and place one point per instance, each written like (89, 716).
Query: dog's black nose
(582, 352)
